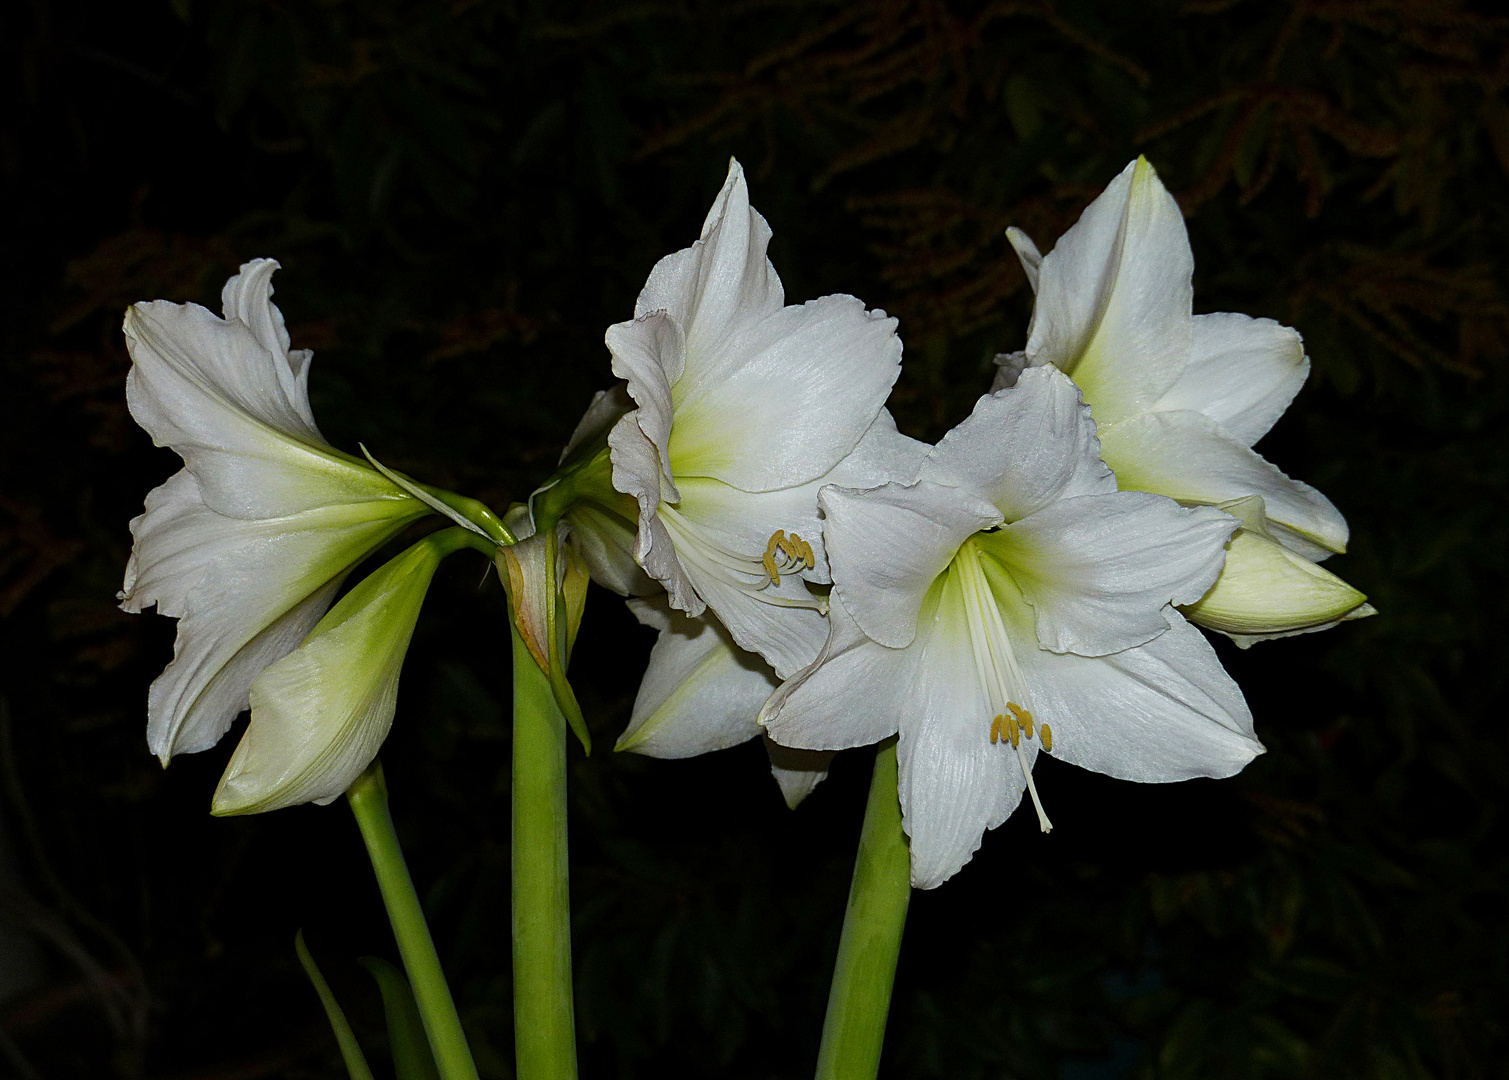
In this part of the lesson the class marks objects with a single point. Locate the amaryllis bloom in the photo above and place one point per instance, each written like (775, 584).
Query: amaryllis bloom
(1011, 601)
(247, 545)
(1179, 399)
(743, 408)
(701, 692)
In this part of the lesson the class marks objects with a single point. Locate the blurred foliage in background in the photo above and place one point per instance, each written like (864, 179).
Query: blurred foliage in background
(463, 196)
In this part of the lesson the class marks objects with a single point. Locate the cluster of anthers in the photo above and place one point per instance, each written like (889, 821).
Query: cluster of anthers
(1014, 726)
(786, 554)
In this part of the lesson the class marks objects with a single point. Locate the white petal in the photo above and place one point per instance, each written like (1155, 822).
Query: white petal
(785, 398)
(1027, 252)
(321, 713)
(700, 692)
(236, 411)
(245, 592)
(721, 282)
(1114, 299)
(1025, 447)
(797, 771)
(954, 782)
(851, 695)
(645, 353)
(637, 472)
(1189, 457)
(888, 544)
(1099, 571)
(1160, 712)
(1242, 373)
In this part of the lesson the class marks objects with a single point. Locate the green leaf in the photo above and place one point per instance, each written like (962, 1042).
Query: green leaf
(412, 1059)
(351, 1051)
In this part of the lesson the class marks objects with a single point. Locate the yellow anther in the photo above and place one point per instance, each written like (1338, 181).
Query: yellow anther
(995, 729)
(1047, 736)
(777, 542)
(1016, 733)
(1023, 717)
(802, 550)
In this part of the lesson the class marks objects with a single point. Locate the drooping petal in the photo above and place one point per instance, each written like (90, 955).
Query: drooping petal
(1189, 457)
(784, 399)
(321, 713)
(954, 783)
(1242, 373)
(721, 282)
(701, 692)
(797, 771)
(1101, 570)
(245, 592)
(1156, 713)
(887, 545)
(1025, 447)
(1114, 299)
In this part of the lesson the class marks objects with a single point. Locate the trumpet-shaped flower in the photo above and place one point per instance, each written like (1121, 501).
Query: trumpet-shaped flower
(247, 545)
(1179, 399)
(320, 714)
(1008, 602)
(701, 692)
(744, 408)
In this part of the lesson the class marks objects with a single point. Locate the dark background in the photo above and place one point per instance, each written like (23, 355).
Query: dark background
(463, 196)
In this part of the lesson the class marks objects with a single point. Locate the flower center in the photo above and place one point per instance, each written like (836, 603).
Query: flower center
(786, 553)
(757, 576)
(998, 671)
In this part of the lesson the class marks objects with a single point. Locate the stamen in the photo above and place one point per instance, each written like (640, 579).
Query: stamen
(1047, 736)
(1037, 804)
(995, 729)
(1023, 717)
(777, 542)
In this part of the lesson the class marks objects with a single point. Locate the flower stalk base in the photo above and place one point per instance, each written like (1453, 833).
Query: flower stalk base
(544, 1017)
(368, 797)
(860, 998)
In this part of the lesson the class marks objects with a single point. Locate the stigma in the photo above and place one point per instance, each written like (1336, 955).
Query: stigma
(786, 554)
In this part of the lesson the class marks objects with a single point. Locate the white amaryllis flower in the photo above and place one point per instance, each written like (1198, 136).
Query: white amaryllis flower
(744, 408)
(1011, 600)
(1180, 398)
(701, 692)
(247, 545)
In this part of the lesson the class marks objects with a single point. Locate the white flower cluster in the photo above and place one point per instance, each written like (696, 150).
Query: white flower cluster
(818, 579)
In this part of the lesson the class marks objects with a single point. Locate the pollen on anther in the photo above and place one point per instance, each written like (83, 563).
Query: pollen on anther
(997, 730)
(777, 542)
(1047, 733)
(1022, 716)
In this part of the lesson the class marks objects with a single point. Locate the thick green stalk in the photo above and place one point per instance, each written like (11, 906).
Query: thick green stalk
(543, 1015)
(442, 1026)
(878, 896)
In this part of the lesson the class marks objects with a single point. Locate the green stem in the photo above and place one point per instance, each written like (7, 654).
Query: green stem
(878, 896)
(442, 1026)
(544, 1019)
